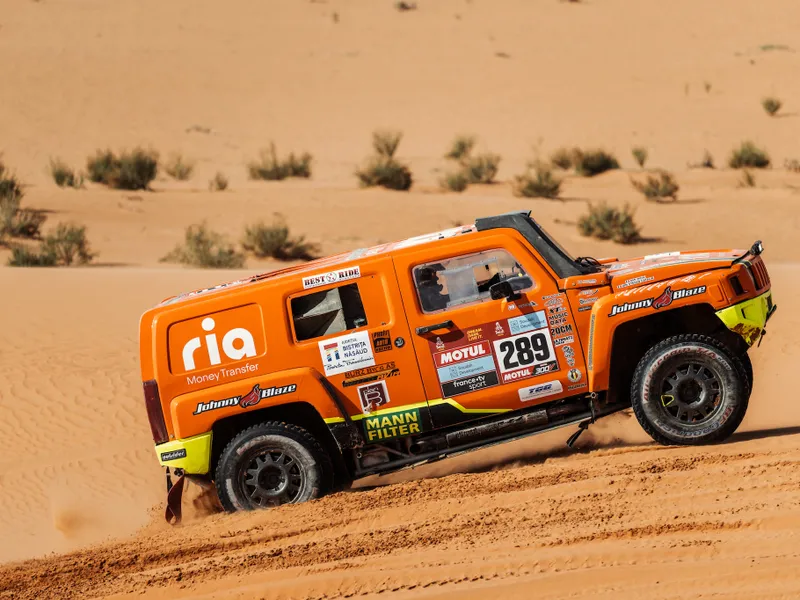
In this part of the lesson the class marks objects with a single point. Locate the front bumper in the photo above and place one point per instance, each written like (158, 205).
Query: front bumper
(748, 318)
(193, 454)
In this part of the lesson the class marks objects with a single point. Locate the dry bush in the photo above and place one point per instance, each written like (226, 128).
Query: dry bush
(748, 155)
(270, 168)
(771, 105)
(608, 223)
(478, 169)
(454, 181)
(383, 169)
(274, 240)
(132, 170)
(562, 158)
(659, 186)
(65, 246)
(63, 175)
(204, 248)
(792, 165)
(541, 183)
(219, 183)
(589, 163)
(461, 147)
(14, 220)
(706, 163)
(748, 179)
(639, 155)
(179, 167)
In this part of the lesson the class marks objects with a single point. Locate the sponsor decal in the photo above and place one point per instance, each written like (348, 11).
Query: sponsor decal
(376, 373)
(635, 281)
(549, 388)
(527, 322)
(439, 344)
(461, 354)
(569, 355)
(252, 398)
(661, 301)
(331, 277)
(563, 340)
(557, 310)
(469, 384)
(554, 301)
(557, 321)
(576, 386)
(345, 353)
(551, 296)
(173, 455)
(224, 373)
(574, 375)
(474, 334)
(562, 330)
(584, 301)
(590, 354)
(586, 281)
(381, 341)
(585, 308)
(217, 345)
(373, 396)
(378, 428)
(514, 306)
(588, 292)
(498, 329)
(661, 255)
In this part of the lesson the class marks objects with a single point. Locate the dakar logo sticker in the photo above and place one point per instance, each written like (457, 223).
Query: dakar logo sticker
(498, 329)
(237, 344)
(439, 344)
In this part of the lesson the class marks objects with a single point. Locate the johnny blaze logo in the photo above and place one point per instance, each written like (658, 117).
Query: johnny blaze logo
(663, 300)
(252, 398)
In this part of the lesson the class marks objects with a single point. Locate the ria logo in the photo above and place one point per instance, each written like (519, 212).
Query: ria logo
(237, 344)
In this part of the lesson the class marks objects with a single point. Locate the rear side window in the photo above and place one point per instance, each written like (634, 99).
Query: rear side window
(328, 312)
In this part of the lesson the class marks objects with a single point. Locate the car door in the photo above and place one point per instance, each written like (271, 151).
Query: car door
(479, 355)
(355, 329)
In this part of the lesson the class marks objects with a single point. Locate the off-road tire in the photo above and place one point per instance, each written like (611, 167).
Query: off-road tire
(302, 478)
(718, 366)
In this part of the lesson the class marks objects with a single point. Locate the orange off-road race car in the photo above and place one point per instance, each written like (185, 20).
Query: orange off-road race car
(283, 386)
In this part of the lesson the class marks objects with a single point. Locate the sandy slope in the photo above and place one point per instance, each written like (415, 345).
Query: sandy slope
(618, 516)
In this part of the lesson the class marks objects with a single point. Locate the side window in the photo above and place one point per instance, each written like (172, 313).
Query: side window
(463, 279)
(330, 311)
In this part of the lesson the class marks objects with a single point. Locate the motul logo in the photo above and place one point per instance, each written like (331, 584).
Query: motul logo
(237, 344)
(461, 354)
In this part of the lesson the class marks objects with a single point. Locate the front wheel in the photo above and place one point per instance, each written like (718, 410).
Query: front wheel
(268, 465)
(689, 390)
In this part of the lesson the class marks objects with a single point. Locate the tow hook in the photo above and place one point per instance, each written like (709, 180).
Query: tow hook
(584, 425)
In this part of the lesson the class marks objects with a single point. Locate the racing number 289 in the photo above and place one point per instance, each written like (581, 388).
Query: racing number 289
(524, 350)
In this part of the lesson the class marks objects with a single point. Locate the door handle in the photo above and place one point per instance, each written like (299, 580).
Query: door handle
(428, 328)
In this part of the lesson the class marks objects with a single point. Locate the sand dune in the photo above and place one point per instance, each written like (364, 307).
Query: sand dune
(217, 82)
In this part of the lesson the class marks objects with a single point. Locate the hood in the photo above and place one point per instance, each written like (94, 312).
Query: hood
(653, 268)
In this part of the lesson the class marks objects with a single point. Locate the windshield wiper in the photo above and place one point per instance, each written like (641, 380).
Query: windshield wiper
(589, 261)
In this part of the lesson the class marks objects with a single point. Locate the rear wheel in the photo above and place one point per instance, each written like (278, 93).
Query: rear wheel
(268, 465)
(690, 390)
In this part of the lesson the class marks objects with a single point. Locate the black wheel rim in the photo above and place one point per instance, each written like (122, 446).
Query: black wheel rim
(691, 394)
(272, 478)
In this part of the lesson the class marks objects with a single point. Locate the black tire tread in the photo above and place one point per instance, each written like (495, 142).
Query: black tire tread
(722, 432)
(289, 430)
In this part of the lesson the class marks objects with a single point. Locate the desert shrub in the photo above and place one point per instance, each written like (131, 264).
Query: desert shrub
(405, 6)
(454, 181)
(706, 163)
(748, 179)
(131, 170)
(541, 183)
(16, 221)
(179, 168)
(639, 155)
(562, 158)
(385, 142)
(68, 244)
(461, 147)
(656, 187)
(771, 105)
(204, 248)
(22, 256)
(792, 165)
(593, 162)
(385, 172)
(608, 223)
(275, 240)
(383, 169)
(219, 183)
(63, 175)
(748, 155)
(270, 168)
(482, 168)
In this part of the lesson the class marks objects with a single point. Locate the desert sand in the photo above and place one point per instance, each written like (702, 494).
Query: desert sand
(621, 517)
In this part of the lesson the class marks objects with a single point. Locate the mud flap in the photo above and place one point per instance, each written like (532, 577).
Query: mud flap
(174, 493)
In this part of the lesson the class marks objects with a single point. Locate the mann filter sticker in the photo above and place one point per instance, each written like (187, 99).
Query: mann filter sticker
(526, 355)
(527, 322)
(386, 427)
(346, 353)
